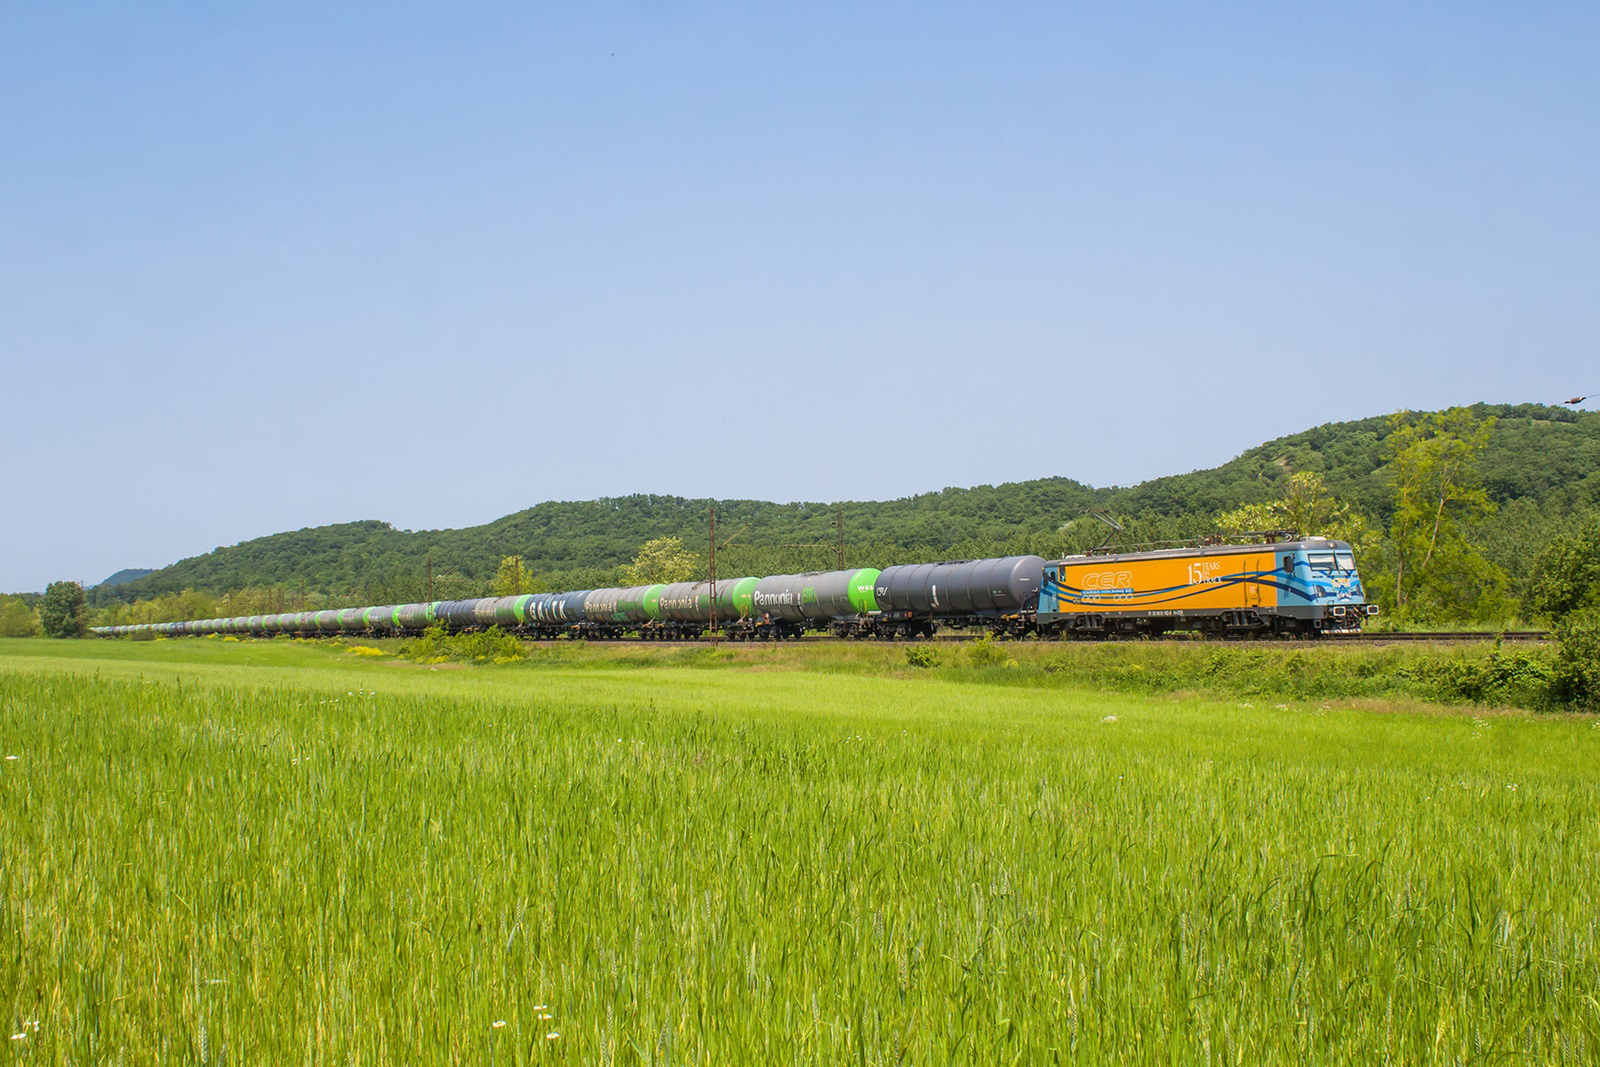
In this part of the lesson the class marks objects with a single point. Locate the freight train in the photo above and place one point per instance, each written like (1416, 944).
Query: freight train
(1262, 585)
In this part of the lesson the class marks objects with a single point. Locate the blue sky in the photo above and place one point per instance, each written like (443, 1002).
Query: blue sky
(276, 267)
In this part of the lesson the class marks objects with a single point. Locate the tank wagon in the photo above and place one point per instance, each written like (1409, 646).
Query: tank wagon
(997, 594)
(1299, 587)
(1270, 586)
(551, 614)
(787, 605)
(683, 609)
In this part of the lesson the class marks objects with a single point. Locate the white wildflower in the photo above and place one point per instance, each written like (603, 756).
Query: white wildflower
(12, 757)
(1109, 718)
(541, 1007)
(498, 1023)
(552, 1035)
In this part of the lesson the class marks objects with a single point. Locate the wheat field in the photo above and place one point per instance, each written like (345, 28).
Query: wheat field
(276, 853)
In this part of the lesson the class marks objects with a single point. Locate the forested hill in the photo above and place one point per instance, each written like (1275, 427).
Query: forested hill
(1548, 458)
(126, 575)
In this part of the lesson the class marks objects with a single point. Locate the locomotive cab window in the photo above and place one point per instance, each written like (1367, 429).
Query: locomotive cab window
(1346, 561)
(1320, 561)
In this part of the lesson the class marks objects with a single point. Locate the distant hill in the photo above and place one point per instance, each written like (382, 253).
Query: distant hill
(1548, 458)
(126, 575)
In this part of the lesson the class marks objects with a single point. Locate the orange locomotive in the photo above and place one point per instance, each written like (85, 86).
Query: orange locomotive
(1303, 586)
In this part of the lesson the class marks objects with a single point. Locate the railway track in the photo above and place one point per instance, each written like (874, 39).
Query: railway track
(1447, 635)
(1398, 637)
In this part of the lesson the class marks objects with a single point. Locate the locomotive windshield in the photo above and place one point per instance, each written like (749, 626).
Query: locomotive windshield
(1328, 560)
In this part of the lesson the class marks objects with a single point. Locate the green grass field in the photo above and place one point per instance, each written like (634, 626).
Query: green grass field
(278, 852)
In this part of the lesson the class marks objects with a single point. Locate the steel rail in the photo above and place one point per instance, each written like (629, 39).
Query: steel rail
(1398, 636)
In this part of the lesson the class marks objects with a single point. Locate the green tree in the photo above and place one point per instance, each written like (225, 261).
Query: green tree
(452, 585)
(1438, 573)
(511, 579)
(1307, 508)
(63, 610)
(1565, 589)
(17, 619)
(1577, 671)
(661, 560)
(1566, 574)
